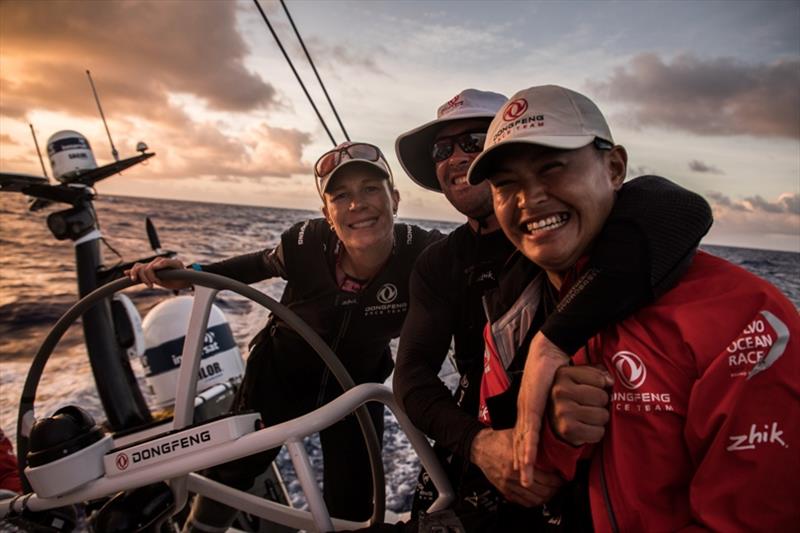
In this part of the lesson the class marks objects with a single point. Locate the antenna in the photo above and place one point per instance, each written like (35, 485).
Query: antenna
(152, 235)
(114, 152)
(38, 152)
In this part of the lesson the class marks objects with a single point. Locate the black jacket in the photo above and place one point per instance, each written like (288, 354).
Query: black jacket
(358, 327)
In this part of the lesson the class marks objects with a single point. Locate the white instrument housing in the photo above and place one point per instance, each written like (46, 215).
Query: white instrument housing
(70, 154)
(71, 472)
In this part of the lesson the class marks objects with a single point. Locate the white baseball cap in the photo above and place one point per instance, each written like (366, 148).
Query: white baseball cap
(348, 153)
(414, 147)
(547, 115)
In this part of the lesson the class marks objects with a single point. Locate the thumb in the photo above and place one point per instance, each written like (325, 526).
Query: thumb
(608, 378)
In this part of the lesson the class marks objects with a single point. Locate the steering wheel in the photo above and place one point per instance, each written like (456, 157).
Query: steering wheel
(206, 287)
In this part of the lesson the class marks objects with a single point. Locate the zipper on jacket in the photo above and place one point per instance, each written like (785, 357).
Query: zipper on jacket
(606, 497)
(326, 373)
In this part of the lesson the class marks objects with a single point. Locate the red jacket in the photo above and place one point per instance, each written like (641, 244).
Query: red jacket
(9, 475)
(705, 410)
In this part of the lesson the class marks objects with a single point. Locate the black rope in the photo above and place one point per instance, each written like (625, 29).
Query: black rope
(113, 250)
(103, 238)
(286, 56)
(314, 68)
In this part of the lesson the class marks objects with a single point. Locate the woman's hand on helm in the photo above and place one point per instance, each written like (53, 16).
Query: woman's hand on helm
(146, 273)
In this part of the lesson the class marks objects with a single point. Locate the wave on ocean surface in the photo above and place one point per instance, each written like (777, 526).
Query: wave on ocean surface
(38, 285)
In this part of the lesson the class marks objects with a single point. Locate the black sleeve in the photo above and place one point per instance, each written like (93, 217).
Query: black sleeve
(433, 236)
(251, 268)
(424, 343)
(645, 246)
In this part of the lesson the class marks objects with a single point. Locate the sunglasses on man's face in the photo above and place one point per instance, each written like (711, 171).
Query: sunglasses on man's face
(470, 143)
(330, 160)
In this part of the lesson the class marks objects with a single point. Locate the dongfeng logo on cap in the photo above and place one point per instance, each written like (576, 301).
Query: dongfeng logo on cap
(515, 109)
(630, 369)
(387, 293)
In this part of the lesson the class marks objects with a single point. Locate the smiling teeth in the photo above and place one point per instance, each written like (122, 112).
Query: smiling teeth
(460, 180)
(364, 224)
(549, 223)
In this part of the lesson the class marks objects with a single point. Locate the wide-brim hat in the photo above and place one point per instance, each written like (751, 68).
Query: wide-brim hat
(413, 148)
(546, 115)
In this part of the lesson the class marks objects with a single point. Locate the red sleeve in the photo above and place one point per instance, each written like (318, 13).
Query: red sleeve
(743, 428)
(556, 455)
(9, 474)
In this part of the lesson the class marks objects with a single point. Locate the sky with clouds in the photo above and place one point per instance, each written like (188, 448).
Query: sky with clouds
(705, 93)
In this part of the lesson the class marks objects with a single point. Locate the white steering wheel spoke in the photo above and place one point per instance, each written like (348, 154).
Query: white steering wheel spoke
(191, 356)
(305, 474)
(186, 388)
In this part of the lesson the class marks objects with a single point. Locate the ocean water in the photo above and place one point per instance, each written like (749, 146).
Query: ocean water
(37, 285)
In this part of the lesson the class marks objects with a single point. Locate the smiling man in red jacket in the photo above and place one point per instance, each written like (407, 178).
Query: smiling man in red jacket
(704, 409)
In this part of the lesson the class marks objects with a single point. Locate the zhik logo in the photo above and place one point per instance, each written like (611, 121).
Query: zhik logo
(748, 441)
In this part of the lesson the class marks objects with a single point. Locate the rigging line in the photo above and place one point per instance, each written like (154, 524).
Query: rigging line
(286, 56)
(103, 238)
(39, 152)
(314, 68)
(114, 152)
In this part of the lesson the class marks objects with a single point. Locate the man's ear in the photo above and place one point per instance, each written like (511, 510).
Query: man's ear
(617, 160)
(395, 200)
(327, 216)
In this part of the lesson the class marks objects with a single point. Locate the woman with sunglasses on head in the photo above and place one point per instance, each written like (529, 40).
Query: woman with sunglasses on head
(347, 278)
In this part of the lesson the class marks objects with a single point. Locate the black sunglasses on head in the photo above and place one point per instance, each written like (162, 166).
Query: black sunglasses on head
(470, 142)
(602, 144)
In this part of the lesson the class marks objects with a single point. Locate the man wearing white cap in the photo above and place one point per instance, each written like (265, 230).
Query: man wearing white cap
(449, 281)
(447, 285)
(704, 406)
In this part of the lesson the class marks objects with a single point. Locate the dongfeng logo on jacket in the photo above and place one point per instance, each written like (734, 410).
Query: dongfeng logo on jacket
(387, 293)
(632, 373)
(630, 369)
(387, 304)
